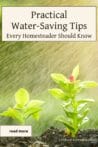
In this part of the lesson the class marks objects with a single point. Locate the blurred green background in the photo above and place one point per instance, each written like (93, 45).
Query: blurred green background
(29, 65)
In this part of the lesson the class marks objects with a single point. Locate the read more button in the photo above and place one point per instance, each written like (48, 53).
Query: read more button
(16, 131)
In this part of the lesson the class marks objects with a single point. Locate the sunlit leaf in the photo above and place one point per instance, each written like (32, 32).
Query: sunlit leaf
(66, 104)
(85, 100)
(22, 97)
(33, 108)
(64, 121)
(81, 106)
(15, 114)
(84, 121)
(75, 72)
(34, 103)
(69, 113)
(83, 115)
(88, 84)
(59, 78)
(57, 93)
(85, 112)
(36, 116)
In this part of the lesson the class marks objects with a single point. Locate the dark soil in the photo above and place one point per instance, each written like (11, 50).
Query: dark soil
(54, 138)
(57, 138)
(21, 142)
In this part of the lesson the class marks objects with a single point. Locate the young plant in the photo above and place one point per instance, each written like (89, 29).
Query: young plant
(23, 108)
(75, 109)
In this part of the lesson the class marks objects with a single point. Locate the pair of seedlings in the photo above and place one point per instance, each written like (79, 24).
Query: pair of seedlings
(75, 109)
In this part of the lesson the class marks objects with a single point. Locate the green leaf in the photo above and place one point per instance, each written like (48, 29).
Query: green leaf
(83, 115)
(75, 72)
(85, 101)
(34, 103)
(85, 120)
(36, 116)
(69, 113)
(21, 97)
(88, 84)
(63, 121)
(66, 104)
(85, 112)
(32, 112)
(57, 93)
(33, 107)
(59, 78)
(81, 106)
(14, 114)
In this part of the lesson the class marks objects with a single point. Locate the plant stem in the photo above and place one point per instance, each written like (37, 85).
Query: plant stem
(74, 104)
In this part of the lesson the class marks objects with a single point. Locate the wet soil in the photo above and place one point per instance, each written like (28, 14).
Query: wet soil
(53, 138)
(57, 138)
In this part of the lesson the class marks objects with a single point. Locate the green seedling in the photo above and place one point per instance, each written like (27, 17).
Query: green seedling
(75, 109)
(23, 108)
